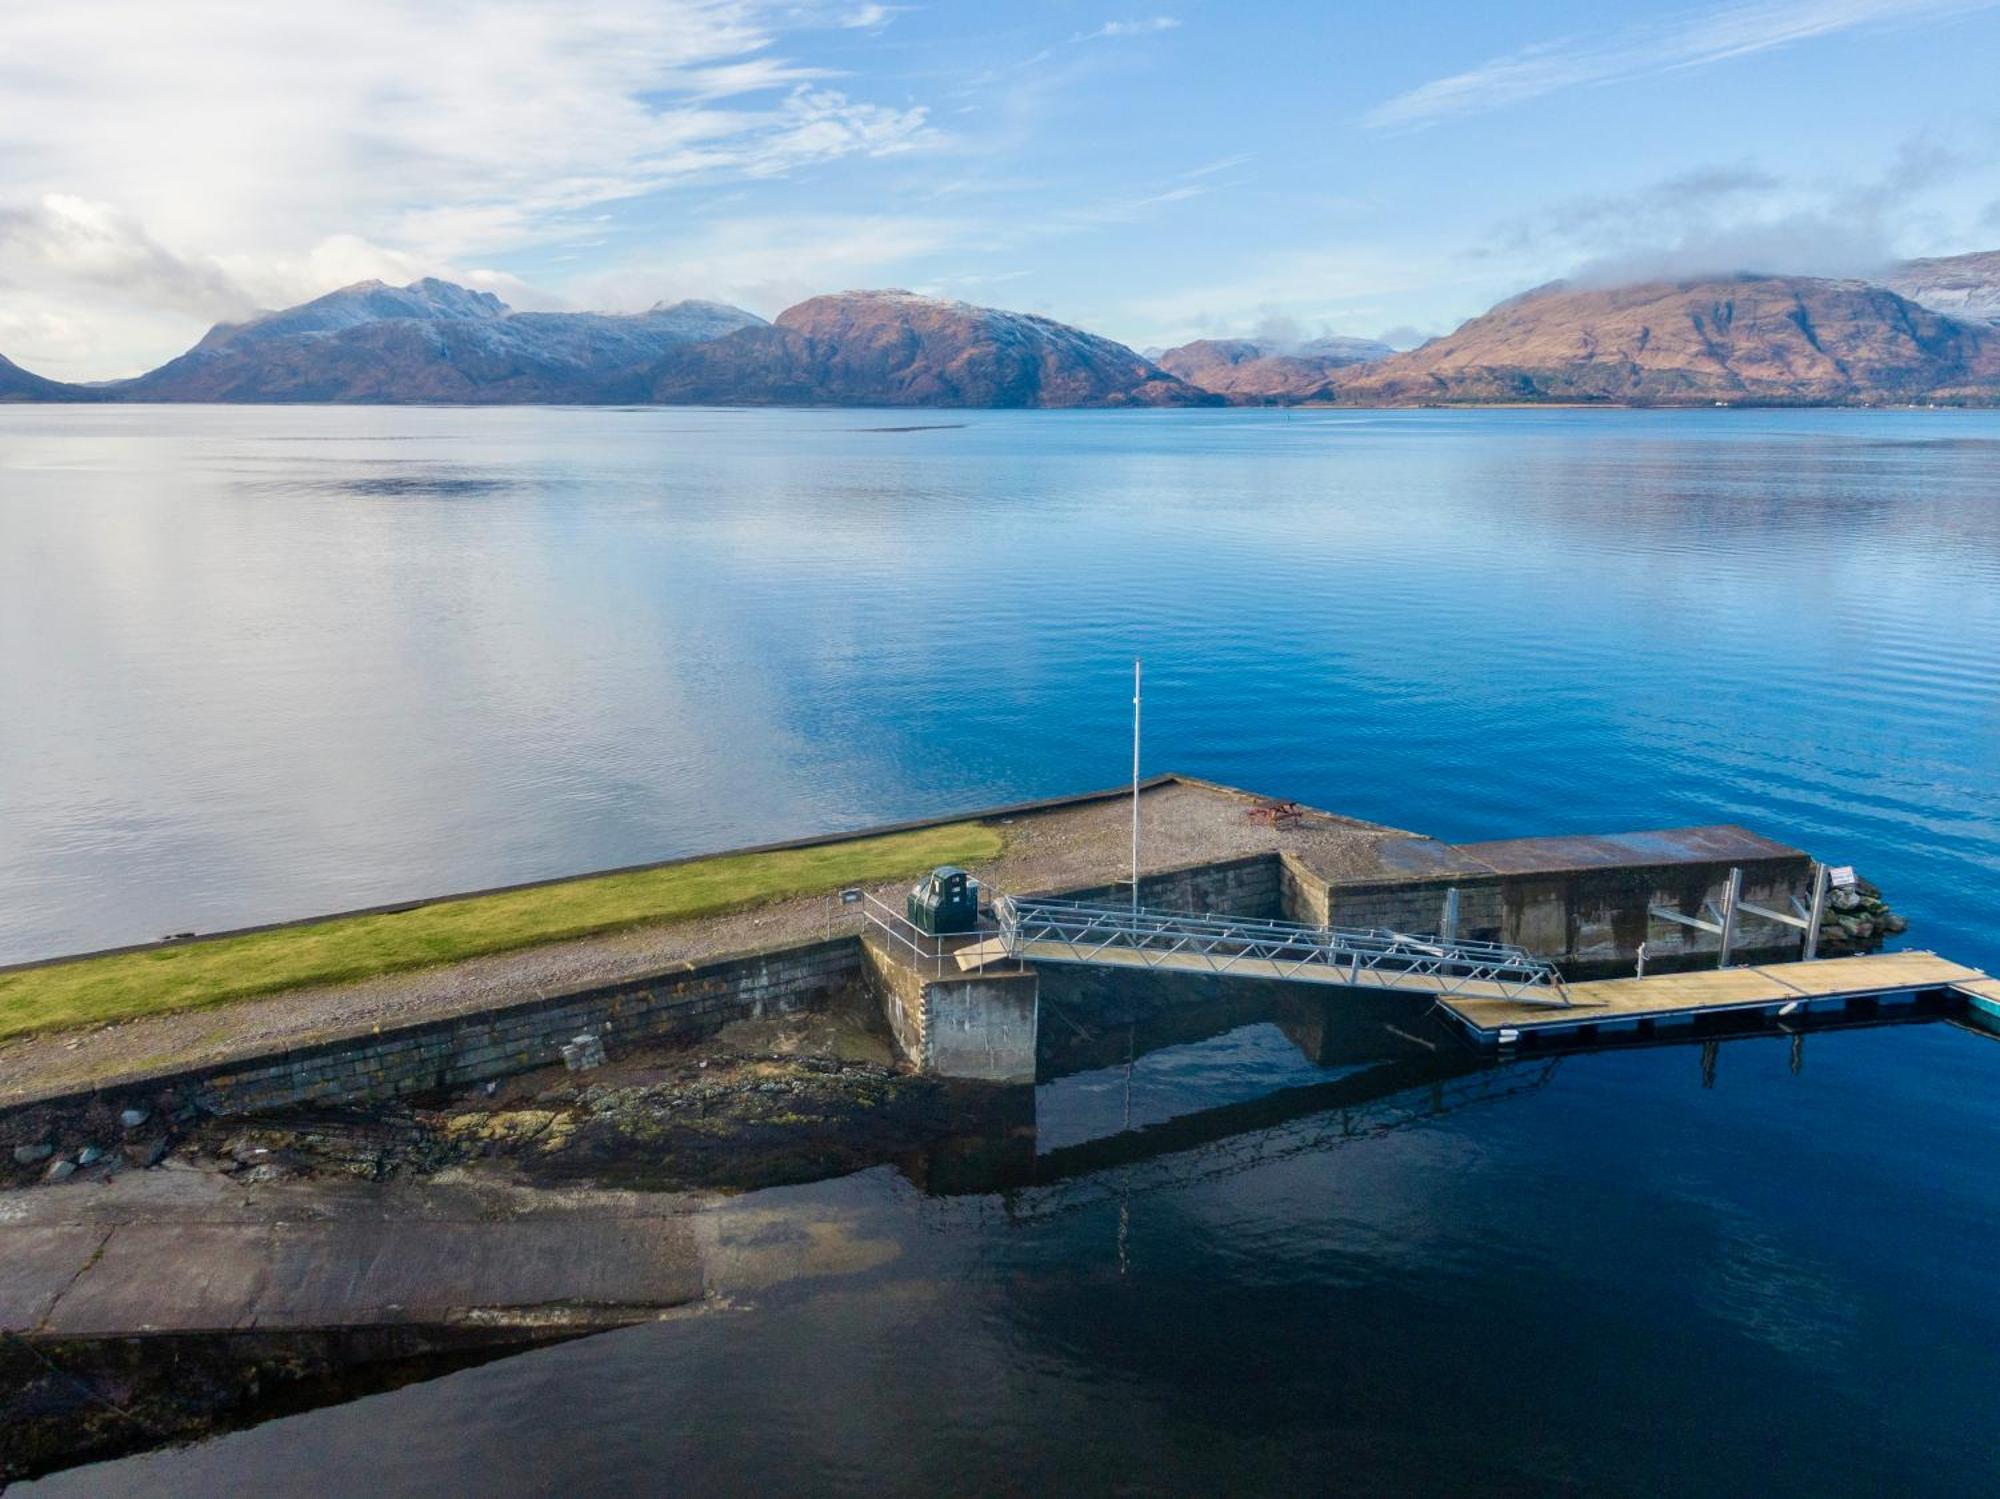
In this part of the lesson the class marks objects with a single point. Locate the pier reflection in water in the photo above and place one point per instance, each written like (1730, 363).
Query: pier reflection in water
(1062, 1297)
(1136, 1067)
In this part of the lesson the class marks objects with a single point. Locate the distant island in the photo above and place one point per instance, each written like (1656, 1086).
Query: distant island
(1929, 333)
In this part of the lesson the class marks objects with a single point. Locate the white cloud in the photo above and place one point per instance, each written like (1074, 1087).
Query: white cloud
(1352, 289)
(213, 154)
(1150, 26)
(767, 263)
(1691, 40)
(96, 244)
(1725, 218)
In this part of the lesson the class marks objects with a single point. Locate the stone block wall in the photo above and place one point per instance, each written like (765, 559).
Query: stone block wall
(471, 1048)
(1590, 921)
(900, 987)
(1418, 907)
(1249, 886)
(1302, 895)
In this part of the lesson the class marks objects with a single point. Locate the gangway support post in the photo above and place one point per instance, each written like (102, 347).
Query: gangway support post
(1731, 895)
(1817, 913)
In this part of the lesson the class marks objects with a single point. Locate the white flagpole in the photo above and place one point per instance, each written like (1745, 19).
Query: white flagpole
(1135, 789)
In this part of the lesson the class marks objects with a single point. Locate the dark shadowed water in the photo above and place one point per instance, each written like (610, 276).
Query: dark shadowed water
(261, 663)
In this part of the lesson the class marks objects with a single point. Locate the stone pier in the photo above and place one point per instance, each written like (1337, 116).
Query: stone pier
(1586, 903)
(979, 1025)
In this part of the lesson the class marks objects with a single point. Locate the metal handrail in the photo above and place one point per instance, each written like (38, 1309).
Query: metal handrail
(1221, 943)
(922, 945)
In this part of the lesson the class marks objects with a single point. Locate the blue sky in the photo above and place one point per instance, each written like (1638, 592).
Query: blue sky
(1155, 172)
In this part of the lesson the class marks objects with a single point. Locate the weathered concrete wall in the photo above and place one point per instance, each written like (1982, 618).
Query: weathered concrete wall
(1591, 921)
(973, 1025)
(901, 990)
(1605, 912)
(1249, 886)
(1418, 906)
(983, 1027)
(463, 1049)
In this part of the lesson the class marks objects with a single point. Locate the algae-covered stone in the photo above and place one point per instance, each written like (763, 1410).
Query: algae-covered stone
(143, 1153)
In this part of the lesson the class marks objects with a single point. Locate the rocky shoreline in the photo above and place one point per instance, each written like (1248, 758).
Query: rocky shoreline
(766, 1103)
(1857, 920)
(709, 1120)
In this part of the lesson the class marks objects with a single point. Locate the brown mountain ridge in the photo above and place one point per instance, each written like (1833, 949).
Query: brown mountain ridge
(1761, 339)
(1247, 371)
(895, 348)
(1744, 339)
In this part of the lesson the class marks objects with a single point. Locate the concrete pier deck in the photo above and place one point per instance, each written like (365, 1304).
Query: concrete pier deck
(1665, 1002)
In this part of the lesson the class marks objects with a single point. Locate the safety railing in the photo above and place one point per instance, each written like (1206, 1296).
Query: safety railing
(1078, 932)
(920, 948)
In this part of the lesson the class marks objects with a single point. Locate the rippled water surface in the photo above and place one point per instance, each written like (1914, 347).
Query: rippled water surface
(262, 663)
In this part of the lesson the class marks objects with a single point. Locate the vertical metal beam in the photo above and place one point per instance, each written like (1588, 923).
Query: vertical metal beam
(1730, 896)
(1450, 931)
(1818, 912)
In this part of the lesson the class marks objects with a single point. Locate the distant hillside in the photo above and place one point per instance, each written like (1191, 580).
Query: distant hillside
(17, 384)
(894, 348)
(1247, 371)
(1962, 286)
(1774, 339)
(1751, 339)
(429, 300)
(431, 341)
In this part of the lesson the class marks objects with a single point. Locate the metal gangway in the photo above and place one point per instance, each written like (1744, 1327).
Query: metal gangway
(1060, 931)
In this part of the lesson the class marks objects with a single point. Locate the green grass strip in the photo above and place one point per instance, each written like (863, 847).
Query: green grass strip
(188, 976)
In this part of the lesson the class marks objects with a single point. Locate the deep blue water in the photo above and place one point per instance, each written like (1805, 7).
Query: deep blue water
(261, 663)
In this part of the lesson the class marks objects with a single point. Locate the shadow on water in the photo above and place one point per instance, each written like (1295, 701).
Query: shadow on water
(70, 1401)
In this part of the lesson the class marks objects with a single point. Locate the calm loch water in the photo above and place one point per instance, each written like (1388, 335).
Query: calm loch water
(261, 663)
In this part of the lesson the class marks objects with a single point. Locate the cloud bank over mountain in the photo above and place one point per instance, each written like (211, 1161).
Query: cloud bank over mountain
(240, 156)
(1165, 174)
